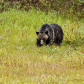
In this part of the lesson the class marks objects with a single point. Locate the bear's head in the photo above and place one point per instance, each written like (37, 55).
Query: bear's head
(42, 37)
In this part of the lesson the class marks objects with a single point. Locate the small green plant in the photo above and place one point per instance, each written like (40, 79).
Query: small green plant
(3, 52)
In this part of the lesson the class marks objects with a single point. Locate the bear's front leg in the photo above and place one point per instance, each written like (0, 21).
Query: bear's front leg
(48, 42)
(38, 43)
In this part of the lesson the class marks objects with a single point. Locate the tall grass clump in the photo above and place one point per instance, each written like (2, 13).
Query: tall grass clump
(73, 33)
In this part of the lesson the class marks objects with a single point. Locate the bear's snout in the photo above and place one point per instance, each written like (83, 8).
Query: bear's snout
(42, 42)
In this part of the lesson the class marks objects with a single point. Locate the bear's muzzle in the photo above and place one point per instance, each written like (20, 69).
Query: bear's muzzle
(42, 42)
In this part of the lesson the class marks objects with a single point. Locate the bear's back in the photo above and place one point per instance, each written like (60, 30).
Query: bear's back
(55, 26)
(45, 27)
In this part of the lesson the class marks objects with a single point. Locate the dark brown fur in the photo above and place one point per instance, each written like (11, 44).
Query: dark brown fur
(49, 34)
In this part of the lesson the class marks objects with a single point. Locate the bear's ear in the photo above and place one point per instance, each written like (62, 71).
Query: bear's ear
(46, 32)
(37, 33)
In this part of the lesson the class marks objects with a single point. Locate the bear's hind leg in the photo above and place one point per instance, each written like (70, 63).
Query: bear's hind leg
(57, 41)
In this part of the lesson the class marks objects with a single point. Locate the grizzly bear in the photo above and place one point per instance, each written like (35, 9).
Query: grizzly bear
(49, 34)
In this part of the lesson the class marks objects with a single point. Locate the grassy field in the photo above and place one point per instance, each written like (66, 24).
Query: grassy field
(22, 62)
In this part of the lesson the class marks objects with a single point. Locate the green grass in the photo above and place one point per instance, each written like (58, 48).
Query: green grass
(22, 62)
